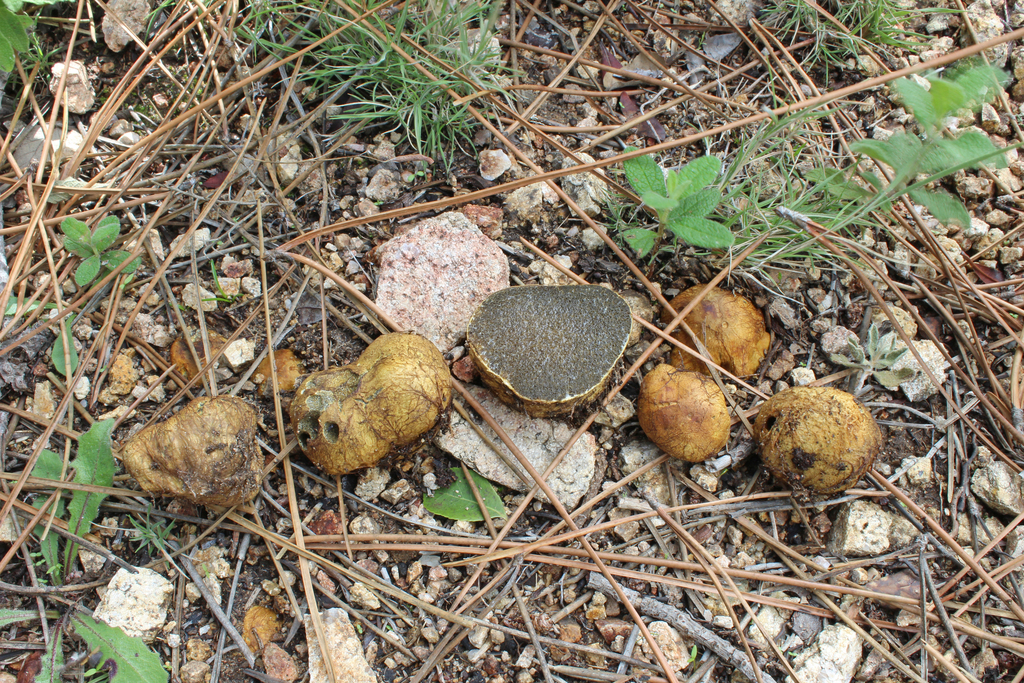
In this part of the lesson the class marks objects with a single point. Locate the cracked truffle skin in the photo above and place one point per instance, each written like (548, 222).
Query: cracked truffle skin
(392, 399)
(730, 327)
(547, 349)
(206, 453)
(818, 440)
(683, 413)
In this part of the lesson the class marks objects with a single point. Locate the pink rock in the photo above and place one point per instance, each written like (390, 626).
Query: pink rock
(464, 369)
(487, 218)
(279, 664)
(434, 276)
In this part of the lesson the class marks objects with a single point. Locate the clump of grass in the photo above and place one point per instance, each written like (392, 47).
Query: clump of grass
(877, 24)
(448, 39)
(776, 166)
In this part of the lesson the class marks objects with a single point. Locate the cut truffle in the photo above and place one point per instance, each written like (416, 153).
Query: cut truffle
(548, 349)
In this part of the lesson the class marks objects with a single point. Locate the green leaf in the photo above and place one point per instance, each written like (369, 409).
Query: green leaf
(699, 204)
(52, 670)
(133, 662)
(701, 232)
(950, 154)
(978, 81)
(843, 360)
(10, 26)
(918, 101)
(57, 354)
(699, 173)
(113, 259)
(947, 97)
(891, 379)
(94, 465)
(946, 208)
(901, 152)
(75, 229)
(14, 616)
(640, 240)
(457, 502)
(645, 175)
(49, 466)
(87, 270)
(13, 30)
(658, 202)
(856, 351)
(78, 238)
(106, 232)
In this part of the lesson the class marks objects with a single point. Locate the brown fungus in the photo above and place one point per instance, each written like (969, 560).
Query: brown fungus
(182, 357)
(548, 349)
(206, 453)
(683, 413)
(390, 400)
(818, 440)
(290, 370)
(728, 325)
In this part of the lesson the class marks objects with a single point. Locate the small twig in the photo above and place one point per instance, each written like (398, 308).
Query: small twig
(684, 623)
(224, 619)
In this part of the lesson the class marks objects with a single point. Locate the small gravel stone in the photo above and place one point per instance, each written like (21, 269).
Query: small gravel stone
(781, 309)
(195, 672)
(998, 487)
(279, 664)
(836, 340)
(80, 95)
(863, 529)
(919, 387)
(586, 189)
(920, 471)
(832, 659)
(654, 483)
(239, 353)
(802, 376)
(343, 647)
(493, 163)
(197, 650)
(385, 187)
(205, 299)
(399, 491)
(372, 483)
(122, 14)
(591, 240)
(532, 203)
(136, 603)
(363, 596)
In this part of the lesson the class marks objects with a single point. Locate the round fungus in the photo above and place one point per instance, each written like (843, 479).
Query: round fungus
(819, 440)
(729, 326)
(683, 413)
(206, 453)
(548, 349)
(392, 399)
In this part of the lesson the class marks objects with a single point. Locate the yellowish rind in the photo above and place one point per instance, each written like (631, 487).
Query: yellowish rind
(391, 400)
(683, 413)
(206, 453)
(818, 440)
(728, 325)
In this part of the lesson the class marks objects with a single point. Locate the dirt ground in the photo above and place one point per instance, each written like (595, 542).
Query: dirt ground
(261, 206)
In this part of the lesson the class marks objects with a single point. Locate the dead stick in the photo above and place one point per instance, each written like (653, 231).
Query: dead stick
(684, 623)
